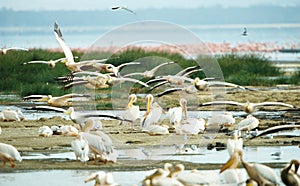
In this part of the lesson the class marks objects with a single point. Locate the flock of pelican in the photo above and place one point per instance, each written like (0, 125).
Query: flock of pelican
(89, 136)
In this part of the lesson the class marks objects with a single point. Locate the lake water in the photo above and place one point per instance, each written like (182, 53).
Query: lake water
(284, 35)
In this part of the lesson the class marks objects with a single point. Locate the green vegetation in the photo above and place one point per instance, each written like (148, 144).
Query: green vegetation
(39, 78)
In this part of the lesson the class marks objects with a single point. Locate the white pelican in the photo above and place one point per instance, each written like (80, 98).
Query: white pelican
(260, 173)
(249, 123)
(68, 130)
(159, 178)
(50, 63)
(234, 176)
(101, 179)
(57, 101)
(276, 129)
(196, 177)
(234, 144)
(153, 112)
(9, 153)
(100, 144)
(81, 148)
(175, 113)
(248, 107)
(45, 131)
(79, 117)
(132, 112)
(224, 119)
(4, 50)
(190, 125)
(290, 177)
(156, 129)
(149, 73)
(153, 173)
(70, 63)
(10, 115)
(101, 81)
(123, 8)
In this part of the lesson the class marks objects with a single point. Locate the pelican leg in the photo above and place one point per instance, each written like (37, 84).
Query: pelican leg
(12, 164)
(3, 164)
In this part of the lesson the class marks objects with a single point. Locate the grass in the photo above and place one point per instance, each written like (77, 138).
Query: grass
(39, 79)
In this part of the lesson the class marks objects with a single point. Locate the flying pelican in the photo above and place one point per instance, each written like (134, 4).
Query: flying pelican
(79, 117)
(4, 50)
(149, 73)
(57, 101)
(249, 123)
(260, 173)
(10, 115)
(101, 179)
(153, 112)
(290, 177)
(70, 63)
(101, 81)
(132, 112)
(123, 8)
(248, 107)
(198, 84)
(175, 113)
(234, 144)
(50, 63)
(45, 131)
(224, 119)
(81, 148)
(9, 153)
(276, 129)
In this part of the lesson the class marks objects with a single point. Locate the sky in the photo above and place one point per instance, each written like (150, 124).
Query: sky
(134, 4)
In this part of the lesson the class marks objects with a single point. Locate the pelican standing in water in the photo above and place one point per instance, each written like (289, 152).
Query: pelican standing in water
(290, 177)
(175, 113)
(132, 112)
(248, 107)
(9, 153)
(260, 173)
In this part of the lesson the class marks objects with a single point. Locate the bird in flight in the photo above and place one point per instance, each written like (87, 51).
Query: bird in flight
(123, 8)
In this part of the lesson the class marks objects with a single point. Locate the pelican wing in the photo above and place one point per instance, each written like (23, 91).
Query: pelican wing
(67, 51)
(274, 104)
(215, 83)
(134, 74)
(126, 64)
(34, 97)
(168, 91)
(36, 62)
(161, 65)
(184, 71)
(276, 129)
(105, 115)
(76, 83)
(155, 80)
(157, 85)
(17, 48)
(48, 108)
(222, 103)
(131, 80)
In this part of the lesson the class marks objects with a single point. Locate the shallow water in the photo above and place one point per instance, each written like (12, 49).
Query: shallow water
(77, 177)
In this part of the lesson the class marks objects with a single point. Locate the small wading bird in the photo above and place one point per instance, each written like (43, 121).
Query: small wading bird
(57, 101)
(260, 173)
(245, 33)
(4, 50)
(123, 8)
(9, 153)
(290, 177)
(248, 107)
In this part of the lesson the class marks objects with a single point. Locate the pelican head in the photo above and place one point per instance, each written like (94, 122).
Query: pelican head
(149, 100)
(200, 84)
(64, 61)
(132, 98)
(112, 69)
(69, 111)
(51, 64)
(248, 107)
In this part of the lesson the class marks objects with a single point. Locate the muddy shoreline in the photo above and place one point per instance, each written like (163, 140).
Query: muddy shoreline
(24, 136)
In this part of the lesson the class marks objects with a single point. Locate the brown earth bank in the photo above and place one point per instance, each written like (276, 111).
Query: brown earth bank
(24, 135)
